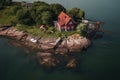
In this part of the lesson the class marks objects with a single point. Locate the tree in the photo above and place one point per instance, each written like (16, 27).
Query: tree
(13, 10)
(39, 3)
(38, 19)
(37, 9)
(82, 29)
(76, 14)
(41, 9)
(42, 15)
(57, 8)
(47, 18)
(24, 17)
(33, 14)
(2, 3)
(5, 2)
(8, 2)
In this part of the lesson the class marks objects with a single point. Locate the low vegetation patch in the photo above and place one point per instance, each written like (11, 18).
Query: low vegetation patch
(49, 32)
(32, 15)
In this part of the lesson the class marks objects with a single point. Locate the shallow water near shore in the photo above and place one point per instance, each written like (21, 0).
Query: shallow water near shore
(99, 62)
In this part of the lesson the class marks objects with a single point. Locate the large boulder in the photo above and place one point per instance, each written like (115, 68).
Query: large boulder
(75, 42)
(47, 59)
(71, 63)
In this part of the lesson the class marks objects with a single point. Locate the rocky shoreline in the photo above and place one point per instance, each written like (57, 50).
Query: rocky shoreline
(71, 44)
(48, 48)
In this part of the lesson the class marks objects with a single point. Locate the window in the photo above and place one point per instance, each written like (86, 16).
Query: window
(70, 23)
(72, 27)
(65, 17)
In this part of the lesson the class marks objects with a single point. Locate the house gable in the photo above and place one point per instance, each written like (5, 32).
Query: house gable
(65, 22)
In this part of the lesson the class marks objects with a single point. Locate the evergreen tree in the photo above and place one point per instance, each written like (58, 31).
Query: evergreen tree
(76, 14)
(57, 8)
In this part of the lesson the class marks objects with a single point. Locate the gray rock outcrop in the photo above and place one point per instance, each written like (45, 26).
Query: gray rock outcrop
(73, 43)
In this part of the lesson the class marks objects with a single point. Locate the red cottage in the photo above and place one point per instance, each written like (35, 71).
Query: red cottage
(65, 22)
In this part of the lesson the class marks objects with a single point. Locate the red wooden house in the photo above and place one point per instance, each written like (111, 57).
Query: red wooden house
(65, 22)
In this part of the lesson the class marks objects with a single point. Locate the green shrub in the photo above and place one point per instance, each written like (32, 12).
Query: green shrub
(82, 29)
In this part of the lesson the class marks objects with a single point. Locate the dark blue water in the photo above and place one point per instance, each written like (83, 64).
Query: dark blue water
(100, 62)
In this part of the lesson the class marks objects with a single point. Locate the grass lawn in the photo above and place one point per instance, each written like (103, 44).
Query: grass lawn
(47, 33)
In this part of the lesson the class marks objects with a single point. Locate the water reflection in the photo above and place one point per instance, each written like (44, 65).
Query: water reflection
(48, 59)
